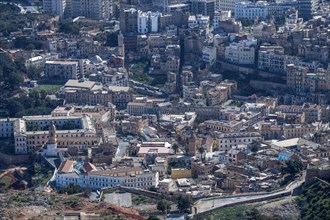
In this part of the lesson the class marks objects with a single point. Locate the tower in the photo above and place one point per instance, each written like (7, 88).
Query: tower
(52, 150)
(193, 144)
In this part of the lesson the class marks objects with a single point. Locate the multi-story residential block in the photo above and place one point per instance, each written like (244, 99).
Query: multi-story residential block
(88, 176)
(189, 90)
(298, 130)
(199, 21)
(311, 112)
(209, 54)
(272, 59)
(63, 69)
(57, 7)
(93, 93)
(202, 7)
(227, 141)
(98, 9)
(148, 22)
(38, 62)
(227, 5)
(7, 126)
(260, 9)
(217, 95)
(301, 81)
(306, 8)
(129, 21)
(270, 130)
(111, 76)
(142, 105)
(242, 52)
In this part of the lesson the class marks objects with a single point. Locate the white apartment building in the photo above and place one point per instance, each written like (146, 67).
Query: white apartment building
(242, 52)
(39, 61)
(260, 9)
(229, 140)
(7, 127)
(148, 22)
(63, 69)
(189, 90)
(209, 54)
(250, 10)
(88, 176)
(35, 62)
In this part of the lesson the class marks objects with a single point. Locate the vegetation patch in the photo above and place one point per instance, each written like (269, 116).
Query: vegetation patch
(5, 182)
(314, 202)
(48, 88)
(141, 200)
(240, 212)
(139, 71)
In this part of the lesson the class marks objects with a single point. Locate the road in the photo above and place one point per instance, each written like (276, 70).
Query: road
(122, 147)
(207, 204)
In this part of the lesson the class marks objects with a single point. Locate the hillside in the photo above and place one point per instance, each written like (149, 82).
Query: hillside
(314, 202)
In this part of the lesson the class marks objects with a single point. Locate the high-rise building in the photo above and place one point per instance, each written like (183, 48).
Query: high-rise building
(203, 7)
(94, 9)
(129, 21)
(148, 22)
(306, 8)
(57, 7)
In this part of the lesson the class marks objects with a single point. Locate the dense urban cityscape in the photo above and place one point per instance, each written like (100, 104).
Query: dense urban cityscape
(165, 109)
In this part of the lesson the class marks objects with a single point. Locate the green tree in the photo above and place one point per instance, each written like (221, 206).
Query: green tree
(175, 147)
(69, 27)
(294, 166)
(153, 189)
(163, 205)
(112, 39)
(34, 73)
(184, 203)
(201, 151)
(43, 26)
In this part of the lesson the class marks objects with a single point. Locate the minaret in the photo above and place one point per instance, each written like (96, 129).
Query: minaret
(192, 144)
(52, 150)
(52, 134)
(121, 46)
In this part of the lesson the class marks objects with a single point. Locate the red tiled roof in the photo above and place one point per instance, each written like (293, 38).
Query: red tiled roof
(65, 166)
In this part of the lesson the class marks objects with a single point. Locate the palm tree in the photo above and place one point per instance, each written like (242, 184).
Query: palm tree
(175, 147)
(201, 150)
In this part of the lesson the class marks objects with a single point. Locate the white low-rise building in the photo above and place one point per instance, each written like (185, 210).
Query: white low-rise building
(88, 176)
(229, 140)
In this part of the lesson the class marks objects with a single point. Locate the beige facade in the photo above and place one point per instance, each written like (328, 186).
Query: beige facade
(298, 130)
(31, 132)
